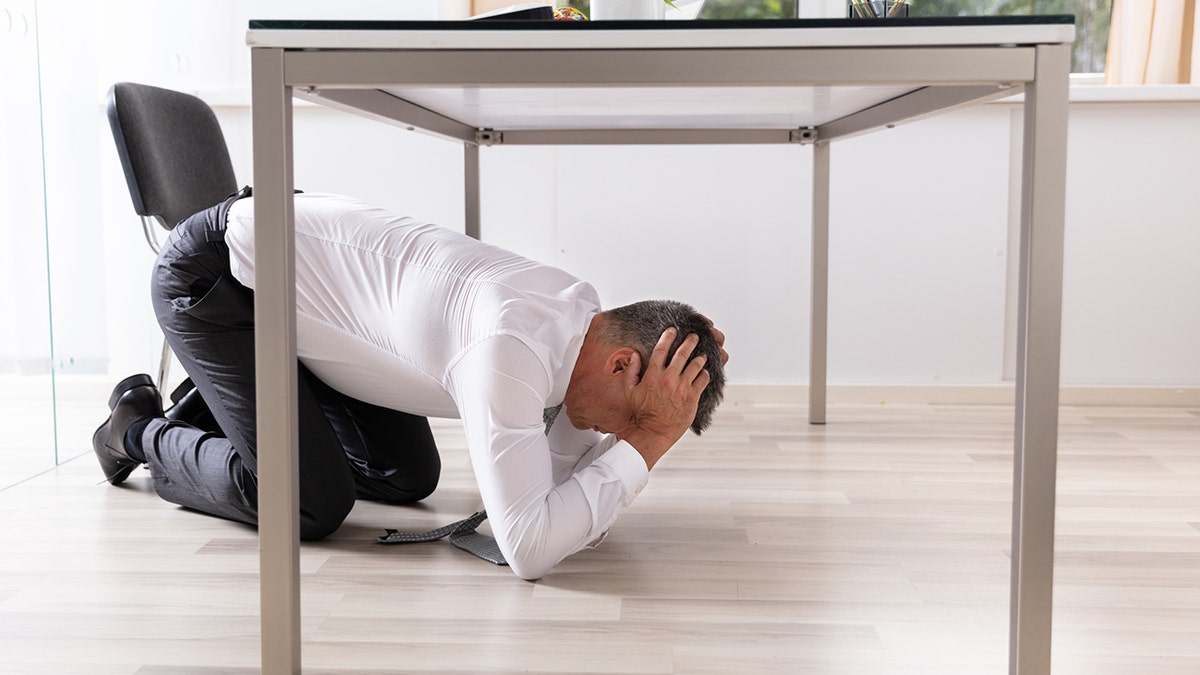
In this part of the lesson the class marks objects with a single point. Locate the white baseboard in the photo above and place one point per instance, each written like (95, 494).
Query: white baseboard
(968, 394)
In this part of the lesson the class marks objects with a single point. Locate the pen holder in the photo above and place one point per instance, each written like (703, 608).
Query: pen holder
(877, 9)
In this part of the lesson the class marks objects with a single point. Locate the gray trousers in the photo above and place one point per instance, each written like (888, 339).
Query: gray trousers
(348, 448)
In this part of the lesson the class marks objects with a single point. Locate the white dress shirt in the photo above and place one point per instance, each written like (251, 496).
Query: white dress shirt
(414, 317)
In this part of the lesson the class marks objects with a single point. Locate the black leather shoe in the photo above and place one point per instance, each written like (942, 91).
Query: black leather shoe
(132, 400)
(126, 384)
(191, 409)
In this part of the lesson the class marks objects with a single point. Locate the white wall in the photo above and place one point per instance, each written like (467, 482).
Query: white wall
(727, 229)
(1132, 272)
(99, 262)
(921, 284)
(921, 278)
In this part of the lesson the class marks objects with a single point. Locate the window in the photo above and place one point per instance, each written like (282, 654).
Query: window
(1091, 17)
(748, 9)
(1091, 21)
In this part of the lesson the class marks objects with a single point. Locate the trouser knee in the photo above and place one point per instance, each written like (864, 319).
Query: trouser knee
(423, 488)
(322, 516)
(408, 488)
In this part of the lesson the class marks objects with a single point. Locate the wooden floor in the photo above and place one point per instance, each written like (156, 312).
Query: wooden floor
(876, 544)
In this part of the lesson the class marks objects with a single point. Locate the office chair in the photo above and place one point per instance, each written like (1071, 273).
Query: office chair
(175, 160)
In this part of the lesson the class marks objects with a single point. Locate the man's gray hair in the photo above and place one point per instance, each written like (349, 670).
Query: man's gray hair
(640, 326)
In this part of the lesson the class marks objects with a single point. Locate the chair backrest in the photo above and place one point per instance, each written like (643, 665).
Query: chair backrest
(172, 149)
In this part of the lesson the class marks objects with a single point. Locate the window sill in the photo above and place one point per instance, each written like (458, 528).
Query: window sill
(1083, 91)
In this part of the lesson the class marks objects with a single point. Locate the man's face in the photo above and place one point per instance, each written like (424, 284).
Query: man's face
(605, 411)
(597, 396)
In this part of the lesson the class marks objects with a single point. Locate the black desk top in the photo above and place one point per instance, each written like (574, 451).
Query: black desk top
(699, 24)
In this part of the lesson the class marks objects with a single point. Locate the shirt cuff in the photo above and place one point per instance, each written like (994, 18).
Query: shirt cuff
(629, 466)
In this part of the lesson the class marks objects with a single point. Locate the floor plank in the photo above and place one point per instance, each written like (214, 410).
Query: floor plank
(878, 543)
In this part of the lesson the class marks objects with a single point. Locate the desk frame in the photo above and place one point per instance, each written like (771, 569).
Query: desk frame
(944, 78)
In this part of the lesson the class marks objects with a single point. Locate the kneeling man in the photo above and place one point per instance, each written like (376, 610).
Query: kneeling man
(566, 407)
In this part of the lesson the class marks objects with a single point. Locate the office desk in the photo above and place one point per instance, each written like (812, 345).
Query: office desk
(795, 81)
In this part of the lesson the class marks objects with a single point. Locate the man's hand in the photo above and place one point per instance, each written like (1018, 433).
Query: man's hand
(664, 398)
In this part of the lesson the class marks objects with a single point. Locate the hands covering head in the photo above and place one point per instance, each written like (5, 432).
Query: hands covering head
(657, 330)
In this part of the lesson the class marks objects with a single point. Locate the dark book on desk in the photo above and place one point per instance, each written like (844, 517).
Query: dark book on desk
(529, 11)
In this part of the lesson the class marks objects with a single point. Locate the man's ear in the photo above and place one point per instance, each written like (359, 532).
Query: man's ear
(621, 360)
(625, 365)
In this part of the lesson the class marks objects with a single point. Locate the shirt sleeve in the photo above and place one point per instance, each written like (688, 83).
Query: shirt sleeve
(543, 504)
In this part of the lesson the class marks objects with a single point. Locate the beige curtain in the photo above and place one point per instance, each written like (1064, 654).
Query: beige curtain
(1153, 42)
(481, 6)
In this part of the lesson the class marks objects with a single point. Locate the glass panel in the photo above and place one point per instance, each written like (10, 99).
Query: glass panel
(74, 273)
(104, 327)
(26, 385)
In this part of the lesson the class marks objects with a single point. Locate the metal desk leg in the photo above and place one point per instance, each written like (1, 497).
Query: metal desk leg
(1038, 334)
(471, 185)
(820, 284)
(275, 362)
